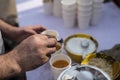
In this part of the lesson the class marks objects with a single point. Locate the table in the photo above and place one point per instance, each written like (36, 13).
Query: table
(30, 12)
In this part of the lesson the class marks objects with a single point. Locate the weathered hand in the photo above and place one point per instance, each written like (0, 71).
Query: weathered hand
(33, 51)
(19, 34)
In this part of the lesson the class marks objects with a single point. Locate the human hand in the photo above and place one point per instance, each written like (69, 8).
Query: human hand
(19, 34)
(32, 52)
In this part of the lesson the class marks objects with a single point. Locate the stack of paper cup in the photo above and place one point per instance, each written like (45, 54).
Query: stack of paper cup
(48, 7)
(97, 11)
(57, 8)
(69, 12)
(84, 13)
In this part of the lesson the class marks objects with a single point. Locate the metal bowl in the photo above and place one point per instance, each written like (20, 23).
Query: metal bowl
(74, 73)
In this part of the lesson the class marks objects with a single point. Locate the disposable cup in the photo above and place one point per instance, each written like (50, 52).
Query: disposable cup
(69, 22)
(48, 8)
(95, 18)
(98, 1)
(69, 4)
(97, 5)
(84, 13)
(60, 66)
(69, 19)
(57, 8)
(84, 10)
(69, 11)
(84, 7)
(83, 21)
(97, 11)
(57, 11)
(84, 2)
(47, 1)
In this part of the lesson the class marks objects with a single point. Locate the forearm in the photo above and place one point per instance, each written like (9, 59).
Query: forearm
(6, 28)
(8, 66)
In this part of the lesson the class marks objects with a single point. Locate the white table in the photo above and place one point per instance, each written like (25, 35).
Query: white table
(107, 32)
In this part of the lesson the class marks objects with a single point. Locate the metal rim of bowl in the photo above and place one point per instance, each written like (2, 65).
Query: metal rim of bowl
(105, 74)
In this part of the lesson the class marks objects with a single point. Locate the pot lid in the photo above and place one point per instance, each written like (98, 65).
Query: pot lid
(81, 44)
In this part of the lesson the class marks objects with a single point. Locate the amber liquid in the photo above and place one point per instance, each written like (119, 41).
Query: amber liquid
(58, 46)
(60, 64)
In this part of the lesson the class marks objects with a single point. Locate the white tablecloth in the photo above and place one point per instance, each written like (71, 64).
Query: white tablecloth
(107, 32)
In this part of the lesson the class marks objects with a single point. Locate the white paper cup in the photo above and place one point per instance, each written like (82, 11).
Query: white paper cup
(57, 10)
(72, 8)
(95, 18)
(84, 2)
(48, 8)
(98, 1)
(83, 21)
(98, 4)
(69, 22)
(84, 7)
(69, 4)
(84, 10)
(53, 33)
(97, 7)
(56, 57)
(69, 11)
(97, 11)
(69, 19)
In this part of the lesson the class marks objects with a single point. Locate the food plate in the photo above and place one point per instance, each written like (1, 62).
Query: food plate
(115, 65)
(90, 73)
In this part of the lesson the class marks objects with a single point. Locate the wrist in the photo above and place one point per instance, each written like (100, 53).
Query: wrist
(6, 28)
(8, 66)
(13, 63)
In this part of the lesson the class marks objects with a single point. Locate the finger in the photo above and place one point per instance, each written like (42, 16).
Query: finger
(31, 32)
(52, 42)
(28, 31)
(38, 29)
(51, 50)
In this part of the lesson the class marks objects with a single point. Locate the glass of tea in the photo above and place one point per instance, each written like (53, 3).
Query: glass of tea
(58, 63)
